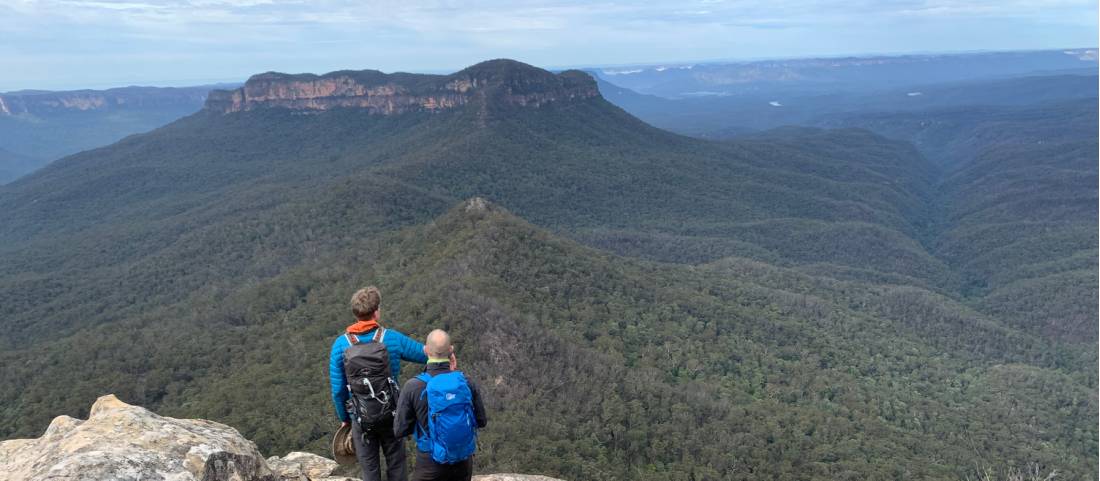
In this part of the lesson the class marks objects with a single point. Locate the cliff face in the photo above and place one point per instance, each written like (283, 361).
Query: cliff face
(42, 102)
(121, 442)
(499, 82)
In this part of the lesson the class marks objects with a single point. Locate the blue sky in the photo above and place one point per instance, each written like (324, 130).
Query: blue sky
(64, 44)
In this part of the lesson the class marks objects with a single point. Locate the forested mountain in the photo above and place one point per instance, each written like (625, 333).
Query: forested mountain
(638, 305)
(580, 165)
(1019, 196)
(40, 126)
(1014, 184)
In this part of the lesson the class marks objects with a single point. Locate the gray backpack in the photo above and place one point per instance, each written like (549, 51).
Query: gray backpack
(374, 392)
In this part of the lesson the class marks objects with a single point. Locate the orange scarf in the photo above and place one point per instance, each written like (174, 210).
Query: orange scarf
(361, 327)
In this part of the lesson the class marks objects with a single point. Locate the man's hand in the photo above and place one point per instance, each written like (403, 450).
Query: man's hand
(344, 423)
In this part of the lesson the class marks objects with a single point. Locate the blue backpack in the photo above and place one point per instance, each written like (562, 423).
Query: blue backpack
(452, 429)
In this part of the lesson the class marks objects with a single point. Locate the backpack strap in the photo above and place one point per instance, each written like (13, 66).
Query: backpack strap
(379, 335)
(422, 430)
(426, 378)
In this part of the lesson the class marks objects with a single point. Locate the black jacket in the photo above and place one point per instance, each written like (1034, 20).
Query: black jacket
(413, 409)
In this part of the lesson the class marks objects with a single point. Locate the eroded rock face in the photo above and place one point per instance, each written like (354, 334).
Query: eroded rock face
(503, 82)
(123, 442)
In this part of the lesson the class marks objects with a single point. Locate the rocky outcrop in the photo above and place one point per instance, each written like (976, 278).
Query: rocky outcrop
(299, 466)
(504, 82)
(120, 442)
(43, 102)
(124, 442)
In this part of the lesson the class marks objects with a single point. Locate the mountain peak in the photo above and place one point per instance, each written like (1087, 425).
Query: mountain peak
(503, 70)
(497, 82)
(476, 204)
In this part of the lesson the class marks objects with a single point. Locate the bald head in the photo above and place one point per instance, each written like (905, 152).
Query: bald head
(438, 344)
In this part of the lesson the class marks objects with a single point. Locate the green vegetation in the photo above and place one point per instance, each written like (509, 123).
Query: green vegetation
(602, 367)
(779, 307)
(1019, 196)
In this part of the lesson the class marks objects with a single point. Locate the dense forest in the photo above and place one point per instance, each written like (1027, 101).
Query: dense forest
(798, 304)
(1018, 189)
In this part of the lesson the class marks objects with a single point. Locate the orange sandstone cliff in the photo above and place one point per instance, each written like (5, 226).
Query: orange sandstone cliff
(501, 82)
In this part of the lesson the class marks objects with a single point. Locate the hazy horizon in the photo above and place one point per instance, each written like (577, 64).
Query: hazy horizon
(181, 83)
(74, 44)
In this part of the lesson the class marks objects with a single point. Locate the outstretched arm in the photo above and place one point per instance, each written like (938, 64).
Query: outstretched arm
(412, 351)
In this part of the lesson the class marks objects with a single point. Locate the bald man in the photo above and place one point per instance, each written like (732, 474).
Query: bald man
(413, 410)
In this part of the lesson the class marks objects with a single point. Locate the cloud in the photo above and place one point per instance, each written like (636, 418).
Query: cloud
(504, 14)
(49, 39)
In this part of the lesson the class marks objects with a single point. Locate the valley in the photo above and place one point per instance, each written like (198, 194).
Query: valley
(881, 295)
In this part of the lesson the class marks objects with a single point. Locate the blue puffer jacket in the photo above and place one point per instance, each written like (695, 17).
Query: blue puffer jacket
(400, 348)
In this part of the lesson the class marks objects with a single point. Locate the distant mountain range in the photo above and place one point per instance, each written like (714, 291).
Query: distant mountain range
(800, 303)
(721, 117)
(40, 126)
(844, 74)
(1015, 158)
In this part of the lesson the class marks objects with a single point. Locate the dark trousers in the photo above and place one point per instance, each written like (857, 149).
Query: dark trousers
(427, 469)
(366, 450)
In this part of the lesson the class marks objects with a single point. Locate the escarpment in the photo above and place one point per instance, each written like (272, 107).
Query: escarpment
(34, 103)
(497, 82)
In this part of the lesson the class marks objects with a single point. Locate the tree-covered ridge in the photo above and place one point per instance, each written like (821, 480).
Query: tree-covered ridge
(215, 198)
(603, 367)
(1019, 206)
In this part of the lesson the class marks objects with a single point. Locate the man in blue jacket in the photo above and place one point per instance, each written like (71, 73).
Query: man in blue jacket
(365, 306)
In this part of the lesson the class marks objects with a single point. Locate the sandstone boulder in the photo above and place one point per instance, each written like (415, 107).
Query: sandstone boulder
(298, 466)
(129, 443)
